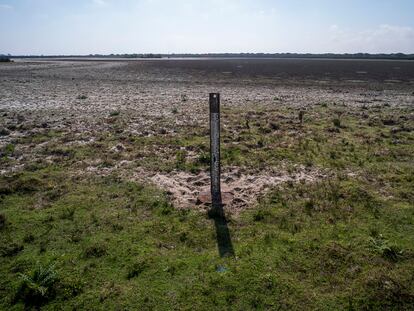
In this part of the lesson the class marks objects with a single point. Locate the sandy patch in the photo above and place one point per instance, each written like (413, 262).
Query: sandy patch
(246, 188)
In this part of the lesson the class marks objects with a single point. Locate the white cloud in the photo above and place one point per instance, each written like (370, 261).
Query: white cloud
(333, 28)
(5, 7)
(100, 2)
(382, 39)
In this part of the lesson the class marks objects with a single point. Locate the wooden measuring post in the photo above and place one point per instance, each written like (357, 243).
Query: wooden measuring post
(215, 196)
(215, 149)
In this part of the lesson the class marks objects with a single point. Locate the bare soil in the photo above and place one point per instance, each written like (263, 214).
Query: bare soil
(165, 99)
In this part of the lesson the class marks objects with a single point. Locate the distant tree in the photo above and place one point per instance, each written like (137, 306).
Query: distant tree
(4, 59)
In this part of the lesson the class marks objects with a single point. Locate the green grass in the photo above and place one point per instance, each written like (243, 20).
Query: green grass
(345, 242)
(120, 244)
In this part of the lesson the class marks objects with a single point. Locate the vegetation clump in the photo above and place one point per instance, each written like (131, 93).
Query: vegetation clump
(10, 249)
(38, 286)
(114, 113)
(4, 59)
(95, 251)
(3, 221)
(385, 248)
(136, 269)
(337, 122)
(4, 131)
(301, 115)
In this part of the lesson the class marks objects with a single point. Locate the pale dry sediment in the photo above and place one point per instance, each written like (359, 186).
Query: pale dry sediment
(246, 187)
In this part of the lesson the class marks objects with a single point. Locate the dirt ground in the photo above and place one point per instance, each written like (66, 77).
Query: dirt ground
(73, 103)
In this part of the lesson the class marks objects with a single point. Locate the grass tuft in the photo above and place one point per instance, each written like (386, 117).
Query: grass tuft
(95, 250)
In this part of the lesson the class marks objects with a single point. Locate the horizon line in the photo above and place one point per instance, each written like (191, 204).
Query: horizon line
(207, 53)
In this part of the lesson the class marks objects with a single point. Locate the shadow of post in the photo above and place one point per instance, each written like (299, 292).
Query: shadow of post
(224, 243)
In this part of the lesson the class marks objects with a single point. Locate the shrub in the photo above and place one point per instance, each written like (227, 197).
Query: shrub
(38, 286)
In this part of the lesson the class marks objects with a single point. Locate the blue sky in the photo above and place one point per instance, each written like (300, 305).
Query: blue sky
(198, 26)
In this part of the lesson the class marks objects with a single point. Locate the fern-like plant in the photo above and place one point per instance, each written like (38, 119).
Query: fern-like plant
(37, 286)
(385, 248)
